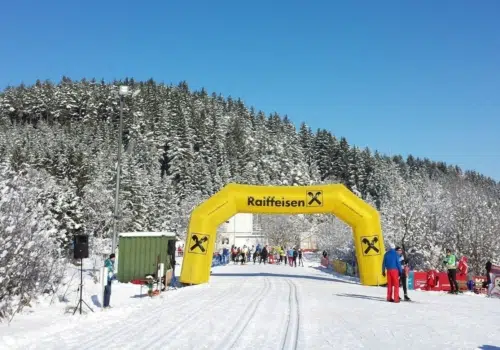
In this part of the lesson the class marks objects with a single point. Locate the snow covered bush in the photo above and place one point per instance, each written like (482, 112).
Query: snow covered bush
(30, 254)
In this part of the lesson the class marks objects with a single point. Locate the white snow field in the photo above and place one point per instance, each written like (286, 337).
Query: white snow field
(261, 307)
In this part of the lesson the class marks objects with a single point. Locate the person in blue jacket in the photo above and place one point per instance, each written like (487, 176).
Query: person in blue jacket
(392, 265)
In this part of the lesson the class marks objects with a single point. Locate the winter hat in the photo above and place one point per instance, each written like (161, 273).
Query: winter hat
(392, 245)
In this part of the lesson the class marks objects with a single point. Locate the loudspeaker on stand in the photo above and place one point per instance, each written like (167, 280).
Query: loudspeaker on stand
(81, 246)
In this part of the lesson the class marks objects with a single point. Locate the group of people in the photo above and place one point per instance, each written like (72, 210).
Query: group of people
(263, 254)
(395, 267)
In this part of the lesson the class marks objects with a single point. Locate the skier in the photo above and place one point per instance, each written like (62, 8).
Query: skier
(393, 266)
(450, 261)
(404, 263)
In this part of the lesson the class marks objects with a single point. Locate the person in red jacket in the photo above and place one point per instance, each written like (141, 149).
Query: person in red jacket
(392, 265)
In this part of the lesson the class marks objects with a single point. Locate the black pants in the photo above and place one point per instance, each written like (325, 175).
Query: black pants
(403, 282)
(452, 276)
(107, 294)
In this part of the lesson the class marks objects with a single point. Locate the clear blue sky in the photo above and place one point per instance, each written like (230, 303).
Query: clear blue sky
(419, 77)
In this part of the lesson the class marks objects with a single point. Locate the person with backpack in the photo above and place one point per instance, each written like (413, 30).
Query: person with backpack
(294, 257)
(450, 261)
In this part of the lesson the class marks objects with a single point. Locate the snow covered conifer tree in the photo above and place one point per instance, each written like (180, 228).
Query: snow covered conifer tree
(30, 258)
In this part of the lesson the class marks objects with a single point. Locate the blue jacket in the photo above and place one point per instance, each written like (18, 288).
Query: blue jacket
(391, 261)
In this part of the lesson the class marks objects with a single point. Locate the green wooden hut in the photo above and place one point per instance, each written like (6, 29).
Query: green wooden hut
(139, 254)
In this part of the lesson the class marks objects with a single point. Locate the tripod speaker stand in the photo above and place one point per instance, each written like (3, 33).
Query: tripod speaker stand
(81, 251)
(81, 301)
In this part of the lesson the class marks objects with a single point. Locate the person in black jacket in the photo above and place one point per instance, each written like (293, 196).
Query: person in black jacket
(263, 255)
(255, 255)
(301, 262)
(403, 278)
(488, 283)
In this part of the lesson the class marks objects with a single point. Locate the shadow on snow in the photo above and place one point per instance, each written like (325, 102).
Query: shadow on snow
(360, 296)
(269, 274)
(330, 272)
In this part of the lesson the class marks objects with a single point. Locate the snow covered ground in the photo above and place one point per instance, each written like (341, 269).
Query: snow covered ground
(257, 306)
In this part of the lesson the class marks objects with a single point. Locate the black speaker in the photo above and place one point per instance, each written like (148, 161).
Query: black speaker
(171, 247)
(81, 247)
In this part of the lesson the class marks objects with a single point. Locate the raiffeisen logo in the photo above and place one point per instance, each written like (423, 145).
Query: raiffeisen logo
(271, 201)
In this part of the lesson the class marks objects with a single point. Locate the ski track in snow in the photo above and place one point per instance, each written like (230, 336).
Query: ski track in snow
(291, 339)
(247, 316)
(147, 328)
(192, 318)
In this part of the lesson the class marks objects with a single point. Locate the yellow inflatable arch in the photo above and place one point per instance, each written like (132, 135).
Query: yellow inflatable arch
(235, 198)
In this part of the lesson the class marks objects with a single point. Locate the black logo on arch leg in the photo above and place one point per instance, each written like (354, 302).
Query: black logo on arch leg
(370, 245)
(200, 243)
(314, 198)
